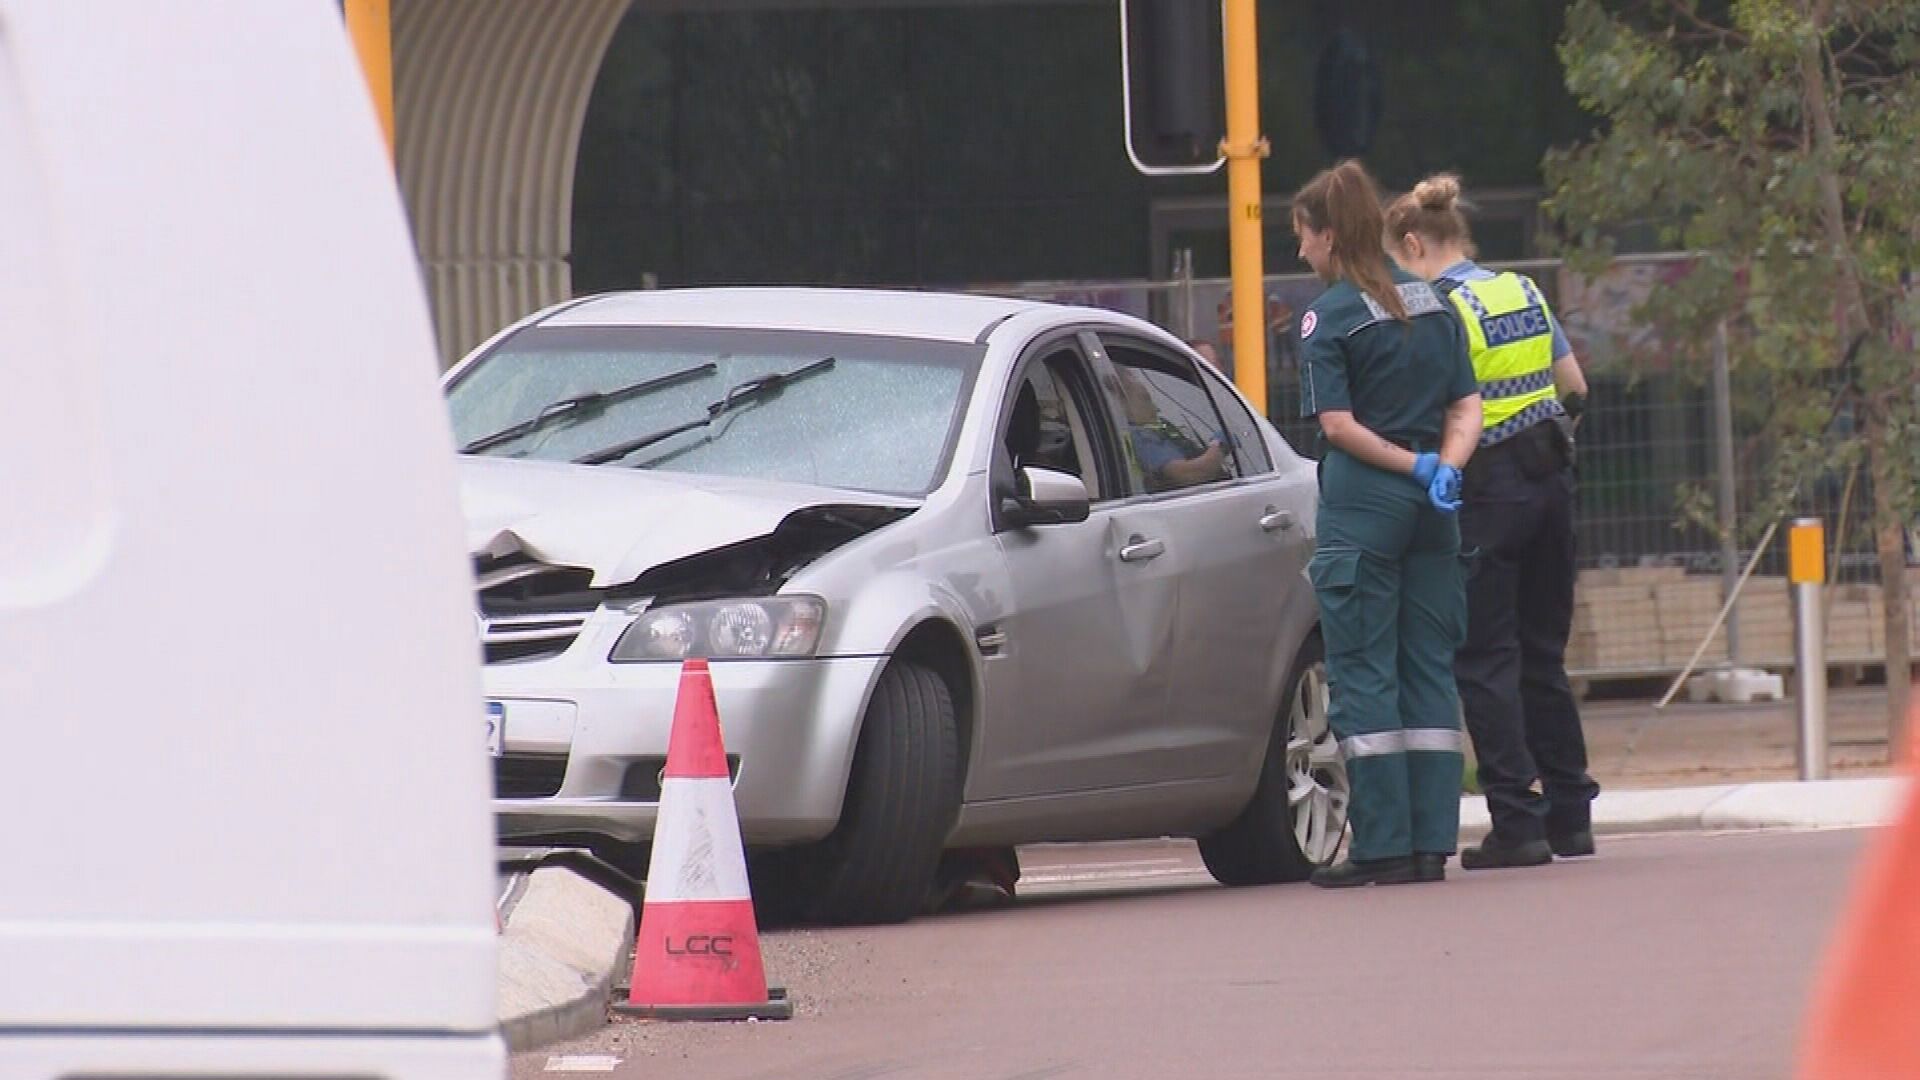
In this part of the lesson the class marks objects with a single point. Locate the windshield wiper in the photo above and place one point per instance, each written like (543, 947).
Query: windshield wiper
(749, 391)
(582, 404)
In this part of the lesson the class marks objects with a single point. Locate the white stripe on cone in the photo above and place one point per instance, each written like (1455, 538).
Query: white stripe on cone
(697, 853)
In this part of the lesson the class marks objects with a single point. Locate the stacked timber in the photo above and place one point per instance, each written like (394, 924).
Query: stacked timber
(1651, 619)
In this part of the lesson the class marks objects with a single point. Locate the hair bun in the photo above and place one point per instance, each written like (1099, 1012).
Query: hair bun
(1437, 192)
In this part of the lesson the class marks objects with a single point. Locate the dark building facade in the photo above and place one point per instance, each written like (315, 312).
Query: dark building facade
(958, 144)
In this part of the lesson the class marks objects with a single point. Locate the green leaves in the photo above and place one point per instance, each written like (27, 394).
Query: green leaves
(1708, 138)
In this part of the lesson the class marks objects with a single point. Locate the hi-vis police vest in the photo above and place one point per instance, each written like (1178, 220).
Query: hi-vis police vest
(1511, 337)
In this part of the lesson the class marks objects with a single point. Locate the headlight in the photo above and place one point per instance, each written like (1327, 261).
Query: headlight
(777, 626)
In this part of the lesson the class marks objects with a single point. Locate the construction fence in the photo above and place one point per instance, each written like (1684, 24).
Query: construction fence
(1659, 437)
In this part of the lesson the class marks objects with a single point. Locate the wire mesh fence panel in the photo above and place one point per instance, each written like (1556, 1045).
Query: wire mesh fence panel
(1653, 570)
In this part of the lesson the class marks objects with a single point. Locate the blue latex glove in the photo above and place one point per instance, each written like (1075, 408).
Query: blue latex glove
(1423, 468)
(1444, 490)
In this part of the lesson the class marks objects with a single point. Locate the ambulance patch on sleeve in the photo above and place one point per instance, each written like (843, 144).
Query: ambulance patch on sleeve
(1307, 323)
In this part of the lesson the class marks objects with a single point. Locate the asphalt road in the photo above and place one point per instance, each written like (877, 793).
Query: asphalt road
(1671, 957)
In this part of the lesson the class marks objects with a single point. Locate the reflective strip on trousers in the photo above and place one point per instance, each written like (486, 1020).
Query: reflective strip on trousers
(1423, 740)
(1436, 740)
(1373, 744)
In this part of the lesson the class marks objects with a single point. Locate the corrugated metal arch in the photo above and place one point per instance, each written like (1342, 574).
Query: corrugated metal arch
(490, 97)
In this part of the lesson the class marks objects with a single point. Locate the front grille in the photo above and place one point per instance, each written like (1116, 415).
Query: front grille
(528, 776)
(505, 638)
(529, 610)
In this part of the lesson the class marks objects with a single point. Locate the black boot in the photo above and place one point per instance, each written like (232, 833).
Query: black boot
(1494, 854)
(1571, 845)
(1395, 871)
(1428, 866)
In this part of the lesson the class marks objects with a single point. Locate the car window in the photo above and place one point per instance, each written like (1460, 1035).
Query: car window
(1047, 426)
(1249, 445)
(881, 417)
(1174, 437)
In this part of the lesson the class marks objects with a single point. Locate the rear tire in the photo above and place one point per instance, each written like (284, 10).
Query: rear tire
(901, 802)
(1295, 820)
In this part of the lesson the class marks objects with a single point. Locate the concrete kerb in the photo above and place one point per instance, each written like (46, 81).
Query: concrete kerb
(560, 949)
(1813, 805)
(1818, 804)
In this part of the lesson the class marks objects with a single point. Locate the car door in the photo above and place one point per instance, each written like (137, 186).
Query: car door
(1240, 548)
(1088, 638)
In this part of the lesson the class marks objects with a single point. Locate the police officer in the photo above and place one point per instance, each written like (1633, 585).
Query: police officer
(1385, 370)
(1517, 529)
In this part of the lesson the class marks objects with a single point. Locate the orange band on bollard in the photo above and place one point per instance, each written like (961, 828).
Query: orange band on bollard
(1806, 552)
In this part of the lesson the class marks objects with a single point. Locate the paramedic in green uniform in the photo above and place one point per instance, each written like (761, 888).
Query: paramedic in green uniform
(1385, 369)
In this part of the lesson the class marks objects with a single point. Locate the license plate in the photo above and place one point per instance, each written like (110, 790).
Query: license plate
(496, 728)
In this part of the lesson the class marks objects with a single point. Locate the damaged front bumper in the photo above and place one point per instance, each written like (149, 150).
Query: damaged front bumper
(585, 740)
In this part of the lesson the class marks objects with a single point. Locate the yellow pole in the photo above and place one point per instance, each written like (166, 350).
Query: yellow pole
(370, 24)
(1244, 147)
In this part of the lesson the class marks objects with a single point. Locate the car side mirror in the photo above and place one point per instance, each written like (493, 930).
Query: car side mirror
(1046, 497)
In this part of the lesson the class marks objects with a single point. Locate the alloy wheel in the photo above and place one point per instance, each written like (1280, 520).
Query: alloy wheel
(1317, 790)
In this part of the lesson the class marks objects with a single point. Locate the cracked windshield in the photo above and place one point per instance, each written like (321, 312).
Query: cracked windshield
(859, 412)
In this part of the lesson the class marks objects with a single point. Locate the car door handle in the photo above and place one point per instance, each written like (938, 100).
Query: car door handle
(1140, 549)
(1276, 519)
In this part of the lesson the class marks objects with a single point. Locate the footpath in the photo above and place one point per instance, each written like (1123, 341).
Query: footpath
(1630, 745)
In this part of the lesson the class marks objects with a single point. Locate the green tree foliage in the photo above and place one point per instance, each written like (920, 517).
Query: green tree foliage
(1779, 139)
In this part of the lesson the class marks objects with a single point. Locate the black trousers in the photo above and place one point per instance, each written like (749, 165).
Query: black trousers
(1516, 534)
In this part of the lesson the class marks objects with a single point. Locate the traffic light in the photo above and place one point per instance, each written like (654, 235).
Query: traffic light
(1173, 85)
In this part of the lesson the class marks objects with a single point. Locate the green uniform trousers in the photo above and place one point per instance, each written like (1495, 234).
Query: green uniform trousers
(1392, 610)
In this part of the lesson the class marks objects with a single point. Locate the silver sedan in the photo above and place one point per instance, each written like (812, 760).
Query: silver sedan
(971, 573)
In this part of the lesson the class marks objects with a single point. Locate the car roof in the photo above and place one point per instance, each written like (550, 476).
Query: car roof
(929, 316)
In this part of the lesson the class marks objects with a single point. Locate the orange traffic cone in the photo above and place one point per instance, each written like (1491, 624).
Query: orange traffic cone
(1866, 1017)
(697, 953)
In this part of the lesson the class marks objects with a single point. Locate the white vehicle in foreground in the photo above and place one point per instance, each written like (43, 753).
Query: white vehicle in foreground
(246, 789)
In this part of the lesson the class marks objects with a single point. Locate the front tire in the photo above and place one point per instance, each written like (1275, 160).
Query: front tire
(1297, 816)
(902, 799)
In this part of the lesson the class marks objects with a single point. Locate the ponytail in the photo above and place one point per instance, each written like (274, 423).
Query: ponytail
(1345, 200)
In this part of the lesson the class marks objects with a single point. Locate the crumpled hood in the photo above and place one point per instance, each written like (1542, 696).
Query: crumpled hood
(620, 523)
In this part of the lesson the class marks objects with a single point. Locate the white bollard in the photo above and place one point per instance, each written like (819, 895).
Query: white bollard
(1806, 569)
